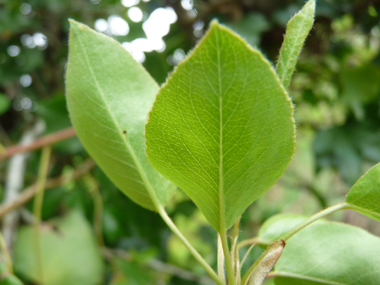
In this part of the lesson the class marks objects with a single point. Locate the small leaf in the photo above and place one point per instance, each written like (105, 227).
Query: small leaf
(297, 31)
(69, 253)
(222, 127)
(109, 96)
(328, 253)
(365, 194)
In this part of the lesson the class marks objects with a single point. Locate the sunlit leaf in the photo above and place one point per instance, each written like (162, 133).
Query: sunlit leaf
(109, 95)
(365, 194)
(327, 253)
(222, 127)
(278, 225)
(297, 31)
(69, 253)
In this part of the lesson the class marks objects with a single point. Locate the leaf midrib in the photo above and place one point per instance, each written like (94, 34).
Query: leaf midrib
(119, 131)
(364, 210)
(304, 277)
(222, 223)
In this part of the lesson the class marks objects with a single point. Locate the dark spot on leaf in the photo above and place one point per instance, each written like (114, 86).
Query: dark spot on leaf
(124, 132)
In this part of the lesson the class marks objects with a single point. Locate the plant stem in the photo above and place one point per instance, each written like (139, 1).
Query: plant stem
(317, 216)
(52, 183)
(362, 210)
(93, 189)
(41, 180)
(38, 143)
(246, 255)
(7, 256)
(186, 243)
(227, 257)
(221, 273)
(2, 149)
(235, 252)
(248, 242)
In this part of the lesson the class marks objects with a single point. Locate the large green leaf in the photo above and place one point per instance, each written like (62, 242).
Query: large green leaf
(109, 96)
(69, 253)
(297, 31)
(278, 225)
(365, 194)
(222, 127)
(327, 253)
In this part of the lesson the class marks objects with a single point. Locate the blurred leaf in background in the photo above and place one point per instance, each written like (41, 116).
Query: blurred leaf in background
(69, 253)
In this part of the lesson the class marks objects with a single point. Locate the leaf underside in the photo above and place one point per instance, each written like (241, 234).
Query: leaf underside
(326, 253)
(222, 126)
(365, 194)
(109, 96)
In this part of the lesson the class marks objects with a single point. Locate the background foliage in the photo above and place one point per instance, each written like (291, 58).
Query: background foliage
(336, 92)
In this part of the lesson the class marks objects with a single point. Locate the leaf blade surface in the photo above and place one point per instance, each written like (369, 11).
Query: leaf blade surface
(222, 127)
(109, 96)
(326, 253)
(297, 31)
(365, 194)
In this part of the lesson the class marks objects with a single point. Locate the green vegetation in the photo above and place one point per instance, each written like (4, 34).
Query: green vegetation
(202, 154)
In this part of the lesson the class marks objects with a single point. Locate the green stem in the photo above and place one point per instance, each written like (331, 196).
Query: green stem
(186, 243)
(7, 256)
(93, 189)
(245, 242)
(221, 273)
(317, 216)
(2, 149)
(234, 251)
(227, 257)
(246, 255)
(362, 210)
(40, 187)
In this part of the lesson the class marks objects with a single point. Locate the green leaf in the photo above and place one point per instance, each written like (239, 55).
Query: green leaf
(297, 31)
(5, 103)
(328, 253)
(365, 194)
(109, 96)
(69, 253)
(222, 127)
(278, 225)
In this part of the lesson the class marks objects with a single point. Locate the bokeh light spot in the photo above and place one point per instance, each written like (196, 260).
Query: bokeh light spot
(135, 14)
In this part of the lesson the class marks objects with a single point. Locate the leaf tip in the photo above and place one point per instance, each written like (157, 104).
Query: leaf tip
(73, 23)
(312, 4)
(214, 23)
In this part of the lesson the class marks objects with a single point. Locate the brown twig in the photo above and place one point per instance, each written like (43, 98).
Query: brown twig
(29, 192)
(39, 143)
